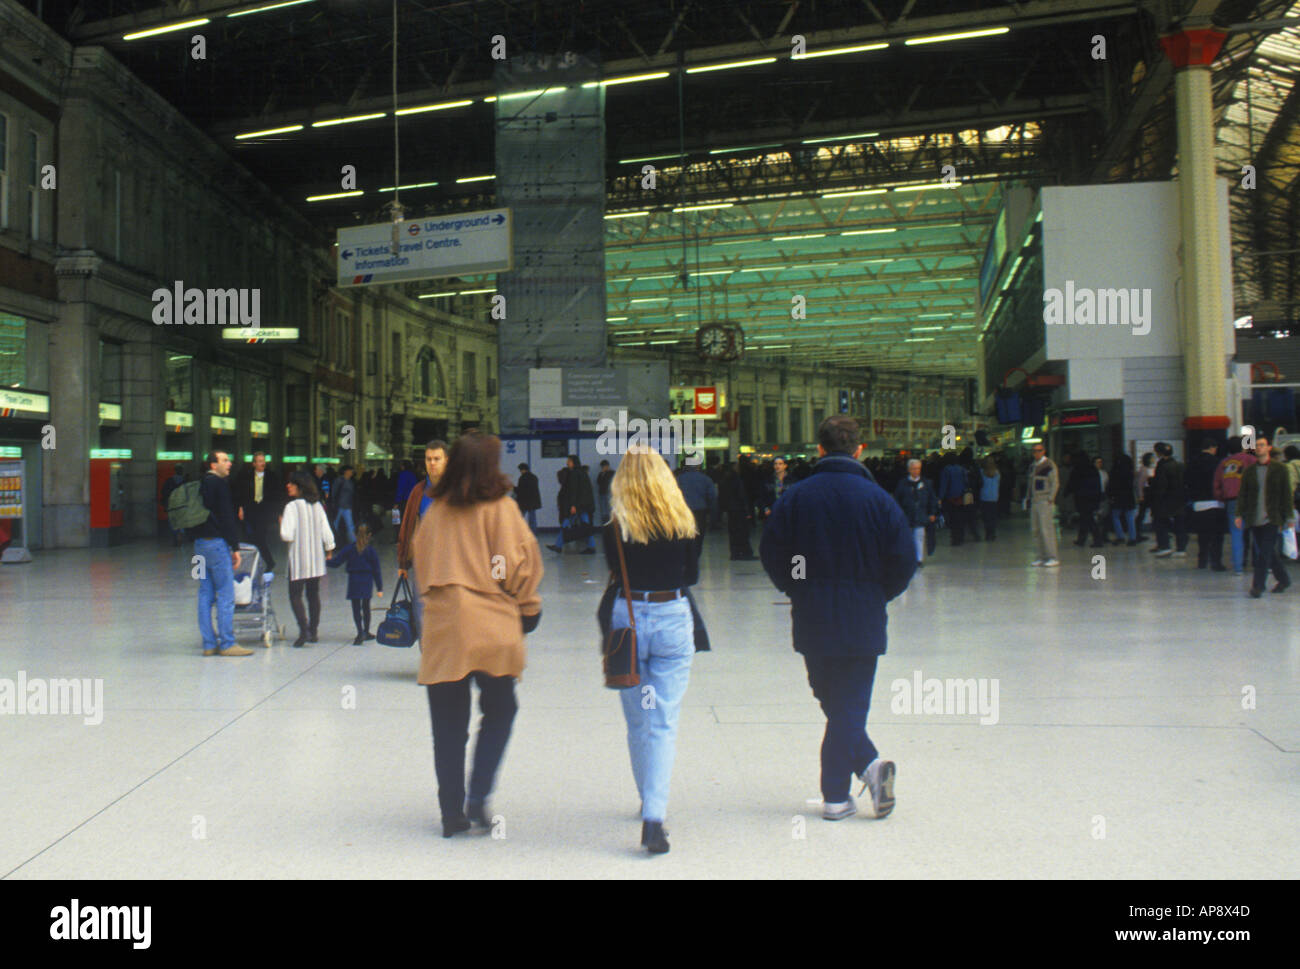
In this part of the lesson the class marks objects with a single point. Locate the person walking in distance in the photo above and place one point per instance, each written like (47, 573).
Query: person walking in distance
(259, 497)
(920, 506)
(1044, 483)
(1264, 506)
(1207, 511)
(577, 503)
(952, 490)
(216, 541)
(528, 494)
(839, 546)
(734, 501)
(603, 479)
(1169, 502)
(1121, 492)
(345, 492)
(418, 503)
(1227, 486)
(990, 487)
(171, 484)
(701, 496)
(306, 529)
(479, 568)
(364, 578)
(657, 531)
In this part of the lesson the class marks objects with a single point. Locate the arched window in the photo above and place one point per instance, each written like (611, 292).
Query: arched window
(429, 383)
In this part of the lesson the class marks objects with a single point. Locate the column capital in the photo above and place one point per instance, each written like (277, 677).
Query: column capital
(1193, 48)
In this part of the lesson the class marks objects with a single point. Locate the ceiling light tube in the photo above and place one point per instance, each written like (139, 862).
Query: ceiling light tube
(963, 35)
(614, 319)
(867, 232)
(921, 188)
(633, 161)
(700, 208)
(154, 31)
(475, 292)
(731, 64)
(269, 6)
(834, 51)
(269, 131)
(627, 79)
(474, 178)
(450, 292)
(336, 195)
(727, 151)
(626, 215)
(403, 188)
(809, 235)
(651, 299)
(844, 195)
(432, 107)
(350, 120)
(818, 141)
(531, 94)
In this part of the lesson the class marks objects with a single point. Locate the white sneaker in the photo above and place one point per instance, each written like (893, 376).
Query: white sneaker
(1051, 563)
(1036, 562)
(879, 779)
(839, 811)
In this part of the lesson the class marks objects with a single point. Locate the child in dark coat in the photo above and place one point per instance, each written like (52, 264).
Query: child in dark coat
(363, 577)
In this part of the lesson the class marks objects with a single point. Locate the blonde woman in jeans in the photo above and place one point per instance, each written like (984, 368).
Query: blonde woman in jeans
(658, 534)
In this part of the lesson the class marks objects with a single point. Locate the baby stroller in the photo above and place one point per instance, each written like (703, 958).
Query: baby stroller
(253, 608)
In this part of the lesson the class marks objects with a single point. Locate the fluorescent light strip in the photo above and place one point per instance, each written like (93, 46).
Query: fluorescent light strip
(432, 107)
(844, 195)
(727, 151)
(633, 161)
(269, 6)
(489, 100)
(867, 232)
(626, 215)
(919, 339)
(403, 188)
(700, 208)
(351, 120)
(269, 131)
(731, 64)
(925, 329)
(615, 319)
(655, 343)
(942, 38)
(763, 269)
(436, 295)
(474, 178)
(336, 195)
(922, 188)
(834, 51)
(651, 299)
(627, 79)
(818, 141)
(715, 272)
(810, 235)
(475, 292)
(154, 31)
(531, 94)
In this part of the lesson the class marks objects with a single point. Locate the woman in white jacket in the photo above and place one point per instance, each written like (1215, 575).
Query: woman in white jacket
(306, 528)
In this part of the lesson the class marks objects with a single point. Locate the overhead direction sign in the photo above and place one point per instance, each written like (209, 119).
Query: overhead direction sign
(459, 245)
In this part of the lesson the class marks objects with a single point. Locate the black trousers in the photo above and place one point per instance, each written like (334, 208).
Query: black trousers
(738, 534)
(259, 534)
(1267, 556)
(1177, 524)
(296, 586)
(989, 512)
(1210, 526)
(701, 526)
(955, 515)
(361, 615)
(449, 709)
(1088, 523)
(842, 685)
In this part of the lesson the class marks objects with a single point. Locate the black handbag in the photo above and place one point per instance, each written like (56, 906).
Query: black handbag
(399, 627)
(619, 649)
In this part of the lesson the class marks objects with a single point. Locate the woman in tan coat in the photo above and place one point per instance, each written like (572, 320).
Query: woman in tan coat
(479, 568)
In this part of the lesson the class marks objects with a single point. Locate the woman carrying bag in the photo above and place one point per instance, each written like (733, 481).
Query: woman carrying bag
(305, 528)
(654, 531)
(479, 568)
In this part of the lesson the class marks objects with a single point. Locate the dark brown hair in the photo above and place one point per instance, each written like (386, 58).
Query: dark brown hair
(473, 471)
(838, 433)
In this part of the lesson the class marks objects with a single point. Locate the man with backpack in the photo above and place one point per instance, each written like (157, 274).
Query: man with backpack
(216, 542)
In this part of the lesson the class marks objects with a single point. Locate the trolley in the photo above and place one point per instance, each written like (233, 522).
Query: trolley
(258, 614)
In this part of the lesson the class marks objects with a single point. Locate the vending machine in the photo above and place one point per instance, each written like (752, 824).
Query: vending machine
(107, 497)
(13, 511)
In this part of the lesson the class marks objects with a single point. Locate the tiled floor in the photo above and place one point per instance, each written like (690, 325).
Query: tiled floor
(1124, 746)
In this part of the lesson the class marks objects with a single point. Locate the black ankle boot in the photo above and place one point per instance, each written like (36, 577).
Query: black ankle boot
(452, 826)
(654, 838)
(476, 811)
(300, 641)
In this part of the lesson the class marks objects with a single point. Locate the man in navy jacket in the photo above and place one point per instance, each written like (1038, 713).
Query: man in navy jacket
(840, 547)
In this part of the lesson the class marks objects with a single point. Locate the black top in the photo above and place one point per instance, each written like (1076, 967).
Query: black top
(215, 491)
(663, 564)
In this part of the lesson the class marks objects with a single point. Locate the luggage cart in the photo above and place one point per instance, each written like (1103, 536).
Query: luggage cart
(259, 613)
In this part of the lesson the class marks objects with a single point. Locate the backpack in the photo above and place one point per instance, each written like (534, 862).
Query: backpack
(185, 507)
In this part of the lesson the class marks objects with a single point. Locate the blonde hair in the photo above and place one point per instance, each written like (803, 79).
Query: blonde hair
(646, 501)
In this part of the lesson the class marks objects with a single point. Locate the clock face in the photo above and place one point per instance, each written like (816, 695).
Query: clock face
(712, 341)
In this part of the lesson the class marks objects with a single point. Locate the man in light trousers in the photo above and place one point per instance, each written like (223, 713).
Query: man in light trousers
(1044, 483)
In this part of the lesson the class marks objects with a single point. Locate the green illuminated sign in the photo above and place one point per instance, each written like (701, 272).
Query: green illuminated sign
(295, 459)
(175, 455)
(124, 453)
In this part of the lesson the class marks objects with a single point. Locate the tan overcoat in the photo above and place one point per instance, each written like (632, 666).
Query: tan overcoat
(479, 567)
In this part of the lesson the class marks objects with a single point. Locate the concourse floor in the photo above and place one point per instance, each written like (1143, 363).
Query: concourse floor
(1147, 726)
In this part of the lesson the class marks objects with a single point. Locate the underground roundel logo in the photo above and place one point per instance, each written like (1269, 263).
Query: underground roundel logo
(413, 228)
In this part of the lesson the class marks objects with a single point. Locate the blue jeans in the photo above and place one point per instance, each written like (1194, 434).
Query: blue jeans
(531, 517)
(1124, 523)
(1237, 536)
(603, 503)
(346, 515)
(217, 584)
(842, 685)
(918, 539)
(665, 642)
(581, 518)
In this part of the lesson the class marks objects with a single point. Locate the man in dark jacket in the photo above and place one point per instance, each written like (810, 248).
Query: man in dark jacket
(577, 504)
(734, 500)
(920, 506)
(528, 493)
(701, 496)
(603, 479)
(839, 546)
(259, 500)
(344, 501)
(216, 543)
(1168, 502)
(1208, 517)
(1264, 507)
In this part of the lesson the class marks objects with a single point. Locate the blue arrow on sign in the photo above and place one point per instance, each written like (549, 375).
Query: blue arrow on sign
(347, 254)
(499, 219)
